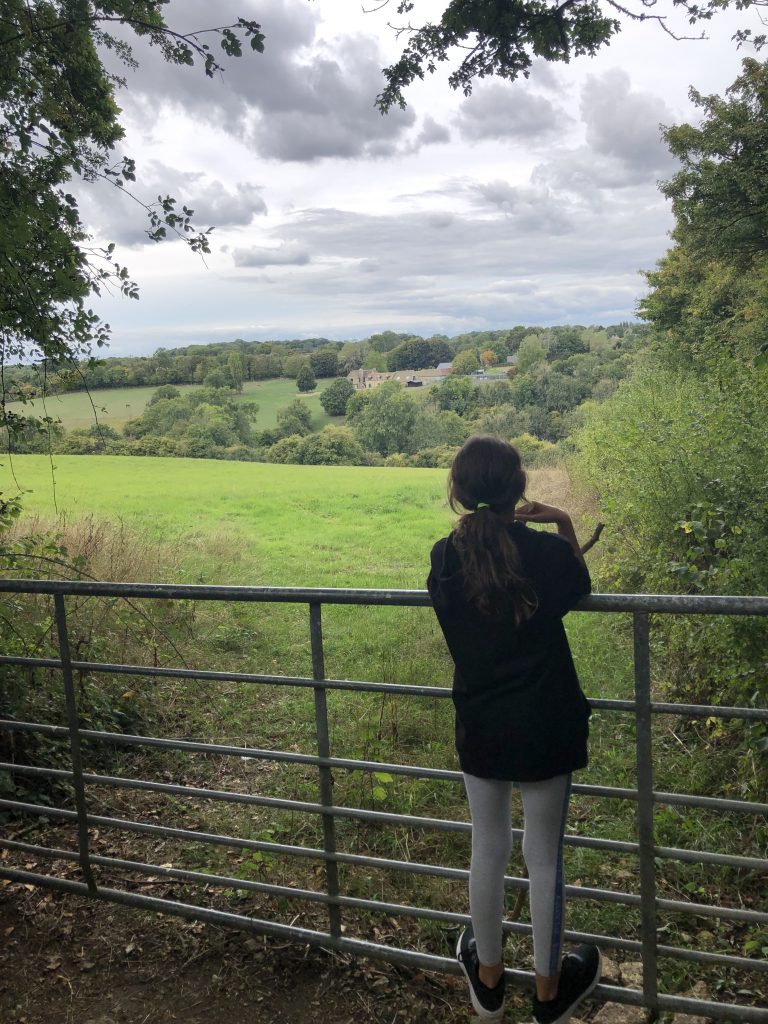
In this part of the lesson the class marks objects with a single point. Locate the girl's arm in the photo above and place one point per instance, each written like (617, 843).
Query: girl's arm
(538, 512)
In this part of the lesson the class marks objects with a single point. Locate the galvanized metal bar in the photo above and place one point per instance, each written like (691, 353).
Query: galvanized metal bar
(363, 686)
(382, 863)
(376, 906)
(381, 817)
(323, 737)
(709, 711)
(404, 689)
(353, 764)
(676, 604)
(613, 846)
(727, 860)
(714, 803)
(204, 675)
(645, 826)
(425, 961)
(73, 723)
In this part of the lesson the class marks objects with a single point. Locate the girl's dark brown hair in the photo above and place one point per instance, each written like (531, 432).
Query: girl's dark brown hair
(488, 472)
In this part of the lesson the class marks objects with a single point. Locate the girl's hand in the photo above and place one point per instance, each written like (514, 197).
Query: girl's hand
(538, 512)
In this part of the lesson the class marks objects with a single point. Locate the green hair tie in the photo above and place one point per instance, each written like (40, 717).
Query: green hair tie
(481, 504)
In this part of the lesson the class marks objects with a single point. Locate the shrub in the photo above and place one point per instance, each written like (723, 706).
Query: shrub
(285, 450)
(534, 451)
(305, 379)
(677, 467)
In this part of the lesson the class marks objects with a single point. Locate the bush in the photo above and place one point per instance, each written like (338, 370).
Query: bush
(305, 379)
(332, 446)
(440, 457)
(113, 631)
(534, 451)
(677, 467)
(285, 450)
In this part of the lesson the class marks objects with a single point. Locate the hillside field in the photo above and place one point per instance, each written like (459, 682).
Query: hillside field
(115, 406)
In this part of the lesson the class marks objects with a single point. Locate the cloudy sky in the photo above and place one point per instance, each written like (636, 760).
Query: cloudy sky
(528, 202)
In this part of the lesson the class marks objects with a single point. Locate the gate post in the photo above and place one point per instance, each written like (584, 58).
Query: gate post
(326, 779)
(645, 825)
(74, 742)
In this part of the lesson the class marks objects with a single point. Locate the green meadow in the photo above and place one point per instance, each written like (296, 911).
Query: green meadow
(290, 525)
(115, 406)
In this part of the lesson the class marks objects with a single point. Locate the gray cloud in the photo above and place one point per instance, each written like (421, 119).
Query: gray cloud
(215, 205)
(624, 148)
(622, 123)
(499, 111)
(299, 101)
(286, 255)
(432, 133)
(480, 261)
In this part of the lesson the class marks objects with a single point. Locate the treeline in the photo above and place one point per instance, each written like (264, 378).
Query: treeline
(233, 363)
(676, 458)
(536, 402)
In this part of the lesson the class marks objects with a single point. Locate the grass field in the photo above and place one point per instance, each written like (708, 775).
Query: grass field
(242, 523)
(115, 406)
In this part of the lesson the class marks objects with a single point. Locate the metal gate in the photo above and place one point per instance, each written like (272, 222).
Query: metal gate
(645, 796)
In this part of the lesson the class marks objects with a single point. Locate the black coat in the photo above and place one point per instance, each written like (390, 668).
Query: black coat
(520, 712)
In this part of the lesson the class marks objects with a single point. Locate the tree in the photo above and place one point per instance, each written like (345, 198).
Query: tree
(386, 421)
(530, 353)
(59, 121)
(305, 379)
(216, 378)
(504, 37)
(293, 365)
(465, 362)
(325, 361)
(489, 357)
(335, 397)
(418, 354)
(432, 430)
(295, 418)
(709, 295)
(236, 371)
(720, 196)
(456, 394)
(566, 341)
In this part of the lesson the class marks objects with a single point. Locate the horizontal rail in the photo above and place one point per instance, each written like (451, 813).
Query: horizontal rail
(363, 686)
(383, 863)
(372, 906)
(680, 604)
(599, 792)
(424, 961)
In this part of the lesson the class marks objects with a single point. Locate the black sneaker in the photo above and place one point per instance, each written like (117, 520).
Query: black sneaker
(580, 973)
(487, 1002)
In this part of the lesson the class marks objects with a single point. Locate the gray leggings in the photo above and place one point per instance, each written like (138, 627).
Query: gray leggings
(545, 805)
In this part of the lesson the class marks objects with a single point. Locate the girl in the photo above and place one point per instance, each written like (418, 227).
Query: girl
(500, 591)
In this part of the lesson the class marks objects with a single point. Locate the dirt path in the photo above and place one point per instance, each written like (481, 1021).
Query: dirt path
(67, 960)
